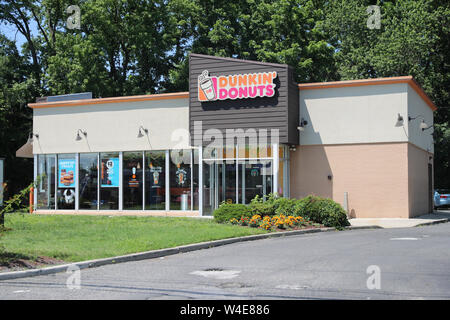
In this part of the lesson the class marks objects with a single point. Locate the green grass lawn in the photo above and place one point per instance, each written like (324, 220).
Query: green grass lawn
(77, 238)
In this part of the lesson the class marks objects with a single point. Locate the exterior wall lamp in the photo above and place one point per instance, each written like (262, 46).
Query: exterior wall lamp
(424, 126)
(302, 125)
(400, 121)
(78, 138)
(31, 135)
(140, 134)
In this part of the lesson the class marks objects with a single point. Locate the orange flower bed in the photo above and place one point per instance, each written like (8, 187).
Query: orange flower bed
(278, 222)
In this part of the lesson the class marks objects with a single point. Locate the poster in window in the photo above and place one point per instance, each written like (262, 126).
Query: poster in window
(109, 173)
(66, 173)
(133, 182)
(155, 176)
(181, 176)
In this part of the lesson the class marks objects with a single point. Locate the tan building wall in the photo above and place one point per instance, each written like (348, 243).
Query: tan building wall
(374, 175)
(419, 192)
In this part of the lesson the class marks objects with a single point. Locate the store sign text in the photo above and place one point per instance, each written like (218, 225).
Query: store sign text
(238, 86)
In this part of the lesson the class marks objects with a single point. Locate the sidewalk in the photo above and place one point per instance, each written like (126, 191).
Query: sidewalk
(439, 216)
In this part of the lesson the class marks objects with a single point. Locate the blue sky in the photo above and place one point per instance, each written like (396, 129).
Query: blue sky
(11, 33)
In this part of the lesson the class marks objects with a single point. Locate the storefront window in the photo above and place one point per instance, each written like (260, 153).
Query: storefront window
(88, 181)
(109, 181)
(132, 180)
(46, 182)
(255, 151)
(281, 170)
(180, 179)
(155, 180)
(66, 181)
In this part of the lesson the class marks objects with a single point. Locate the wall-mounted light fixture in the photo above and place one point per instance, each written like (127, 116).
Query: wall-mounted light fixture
(31, 135)
(292, 148)
(302, 125)
(142, 129)
(400, 121)
(424, 126)
(78, 138)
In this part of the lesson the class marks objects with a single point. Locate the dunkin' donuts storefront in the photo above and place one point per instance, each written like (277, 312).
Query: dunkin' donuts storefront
(245, 128)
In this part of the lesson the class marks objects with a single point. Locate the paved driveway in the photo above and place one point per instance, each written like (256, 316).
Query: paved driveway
(414, 263)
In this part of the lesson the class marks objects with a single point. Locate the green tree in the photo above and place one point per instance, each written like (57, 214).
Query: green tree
(284, 31)
(17, 87)
(413, 40)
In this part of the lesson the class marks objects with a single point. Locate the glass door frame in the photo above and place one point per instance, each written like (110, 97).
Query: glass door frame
(238, 159)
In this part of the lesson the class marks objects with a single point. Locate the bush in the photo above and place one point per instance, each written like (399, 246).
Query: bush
(285, 206)
(227, 211)
(320, 210)
(264, 208)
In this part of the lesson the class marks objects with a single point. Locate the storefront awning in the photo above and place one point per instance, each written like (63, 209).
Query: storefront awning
(26, 151)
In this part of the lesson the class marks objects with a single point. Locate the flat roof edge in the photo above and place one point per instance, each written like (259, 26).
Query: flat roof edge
(148, 97)
(367, 82)
(267, 64)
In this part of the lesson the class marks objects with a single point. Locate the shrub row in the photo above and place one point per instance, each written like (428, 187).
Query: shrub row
(316, 209)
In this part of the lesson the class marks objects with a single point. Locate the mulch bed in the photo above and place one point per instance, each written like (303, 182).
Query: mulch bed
(18, 264)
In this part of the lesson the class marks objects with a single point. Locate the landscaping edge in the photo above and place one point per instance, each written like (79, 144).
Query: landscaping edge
(163, 252)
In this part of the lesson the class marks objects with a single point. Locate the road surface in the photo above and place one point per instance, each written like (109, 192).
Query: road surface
(410, 263)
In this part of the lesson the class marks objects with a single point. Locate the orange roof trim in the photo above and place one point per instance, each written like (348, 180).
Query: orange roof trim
(185, 95)
(148, 97)
(370, 82)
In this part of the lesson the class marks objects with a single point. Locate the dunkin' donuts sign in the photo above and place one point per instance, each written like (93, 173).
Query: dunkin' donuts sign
(238, 86)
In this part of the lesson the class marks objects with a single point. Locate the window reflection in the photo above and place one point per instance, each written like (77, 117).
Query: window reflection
(155, 180)
(109, 181)
(180, 179)
(46, 186)
(88, 181)
(132, 180)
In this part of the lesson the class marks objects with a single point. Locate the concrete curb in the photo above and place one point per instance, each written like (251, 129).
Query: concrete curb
(164, 252)
(444, 220)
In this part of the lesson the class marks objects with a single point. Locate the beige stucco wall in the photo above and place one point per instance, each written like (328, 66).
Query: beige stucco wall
(112, 127)
(418, 160)
(418, 108)
(374, 175)
(358, 114)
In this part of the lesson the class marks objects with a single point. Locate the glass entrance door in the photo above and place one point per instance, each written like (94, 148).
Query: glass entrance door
(220, 185)
(224, 182)
(256, 180)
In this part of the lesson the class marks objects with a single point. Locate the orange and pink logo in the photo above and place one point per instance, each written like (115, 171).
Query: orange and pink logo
(238, 86)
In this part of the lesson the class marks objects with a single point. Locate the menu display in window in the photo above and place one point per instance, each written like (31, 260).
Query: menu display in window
(109, 173)
(66, 173)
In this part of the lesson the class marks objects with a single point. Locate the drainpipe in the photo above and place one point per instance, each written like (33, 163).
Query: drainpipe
(346, 204)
